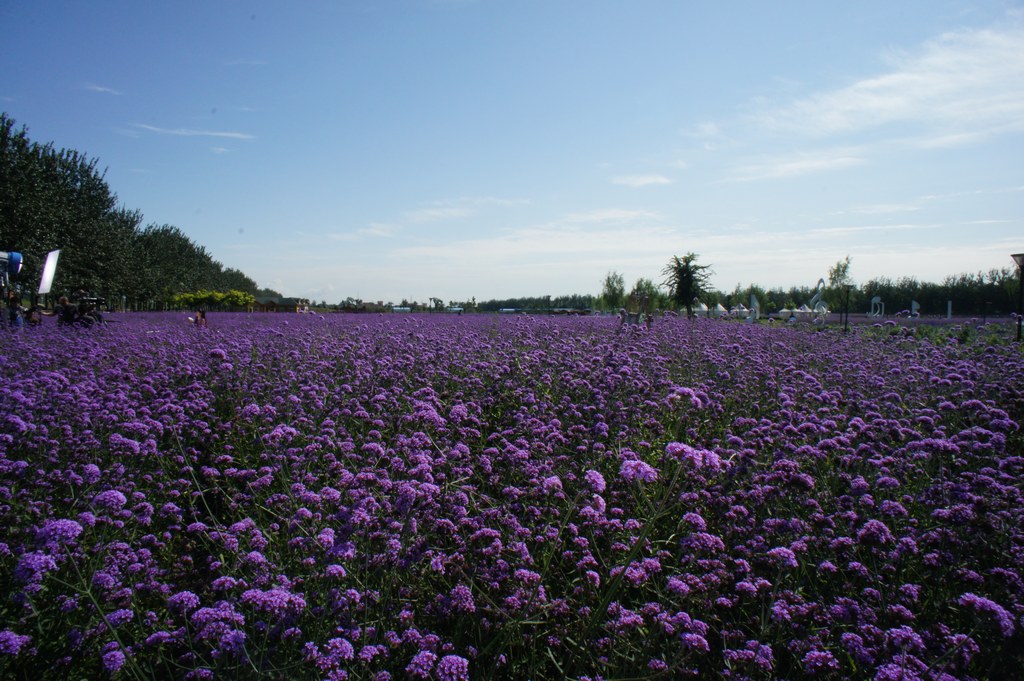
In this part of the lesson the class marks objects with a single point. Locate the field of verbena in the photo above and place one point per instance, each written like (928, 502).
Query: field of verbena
(293, 497)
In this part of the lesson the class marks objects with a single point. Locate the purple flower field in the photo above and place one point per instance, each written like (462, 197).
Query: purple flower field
(406, 497)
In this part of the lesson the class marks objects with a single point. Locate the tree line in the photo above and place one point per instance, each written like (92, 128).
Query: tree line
(59, 199)
(686, 284)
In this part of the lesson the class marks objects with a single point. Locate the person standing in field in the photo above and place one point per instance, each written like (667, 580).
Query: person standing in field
(13, 309)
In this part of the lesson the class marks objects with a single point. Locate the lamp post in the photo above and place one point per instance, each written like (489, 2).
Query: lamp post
(1019, 259)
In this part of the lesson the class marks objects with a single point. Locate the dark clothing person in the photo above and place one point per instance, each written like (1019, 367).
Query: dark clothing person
(66, 313)
(14, 309)
(88, 314)
(34, 316)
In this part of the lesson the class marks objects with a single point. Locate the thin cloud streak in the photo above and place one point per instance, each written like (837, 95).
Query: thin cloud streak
(378, 230)
(186, 132)
(373, 231)
(456, 209)
(883, 208)
(801, 164)
(611, 215)
(440, 213)
(103, 90)
(637, 181)
(834, 231)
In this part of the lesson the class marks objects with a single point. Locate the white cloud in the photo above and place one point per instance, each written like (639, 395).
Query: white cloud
(882, 208)
(798, 164)
(950, 141)
(456, 209)
(705, 131)
(709, 134)
(963, 84)
(376, 230)
(886, 208)
(439, 213)
(185, 132)
(564, 240)
(104, 90)
(856, 229)
(636, 181)
(611, 215)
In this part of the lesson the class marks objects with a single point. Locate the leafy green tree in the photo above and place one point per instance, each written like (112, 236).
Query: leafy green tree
(741, 296)
(574, 301)
(171, 263)
(613, 291)
(232, 279)
(981, 293)
(239, 299)
(646, 295)
(53, 199)
(686, 280)
(838, 279)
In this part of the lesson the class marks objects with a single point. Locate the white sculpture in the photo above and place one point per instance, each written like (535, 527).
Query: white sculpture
(877, 307)
(755, 309)
(817, 305)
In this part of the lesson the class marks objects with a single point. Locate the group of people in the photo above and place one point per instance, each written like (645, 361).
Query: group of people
(19, 315)
(85, 312)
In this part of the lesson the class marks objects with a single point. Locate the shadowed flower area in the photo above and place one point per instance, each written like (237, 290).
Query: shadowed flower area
(478, 497)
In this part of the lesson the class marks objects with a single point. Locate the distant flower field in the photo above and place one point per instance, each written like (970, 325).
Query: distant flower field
(480, 497)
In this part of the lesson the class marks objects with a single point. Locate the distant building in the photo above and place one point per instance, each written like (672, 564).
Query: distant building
(272, 304)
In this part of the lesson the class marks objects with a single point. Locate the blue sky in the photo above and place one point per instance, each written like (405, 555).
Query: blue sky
(460, 148)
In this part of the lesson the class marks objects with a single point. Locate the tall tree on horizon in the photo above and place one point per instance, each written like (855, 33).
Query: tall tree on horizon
(838, 280)
(613, 291)
(686, 280)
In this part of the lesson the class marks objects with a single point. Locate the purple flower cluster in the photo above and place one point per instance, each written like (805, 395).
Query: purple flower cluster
(447, 498)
